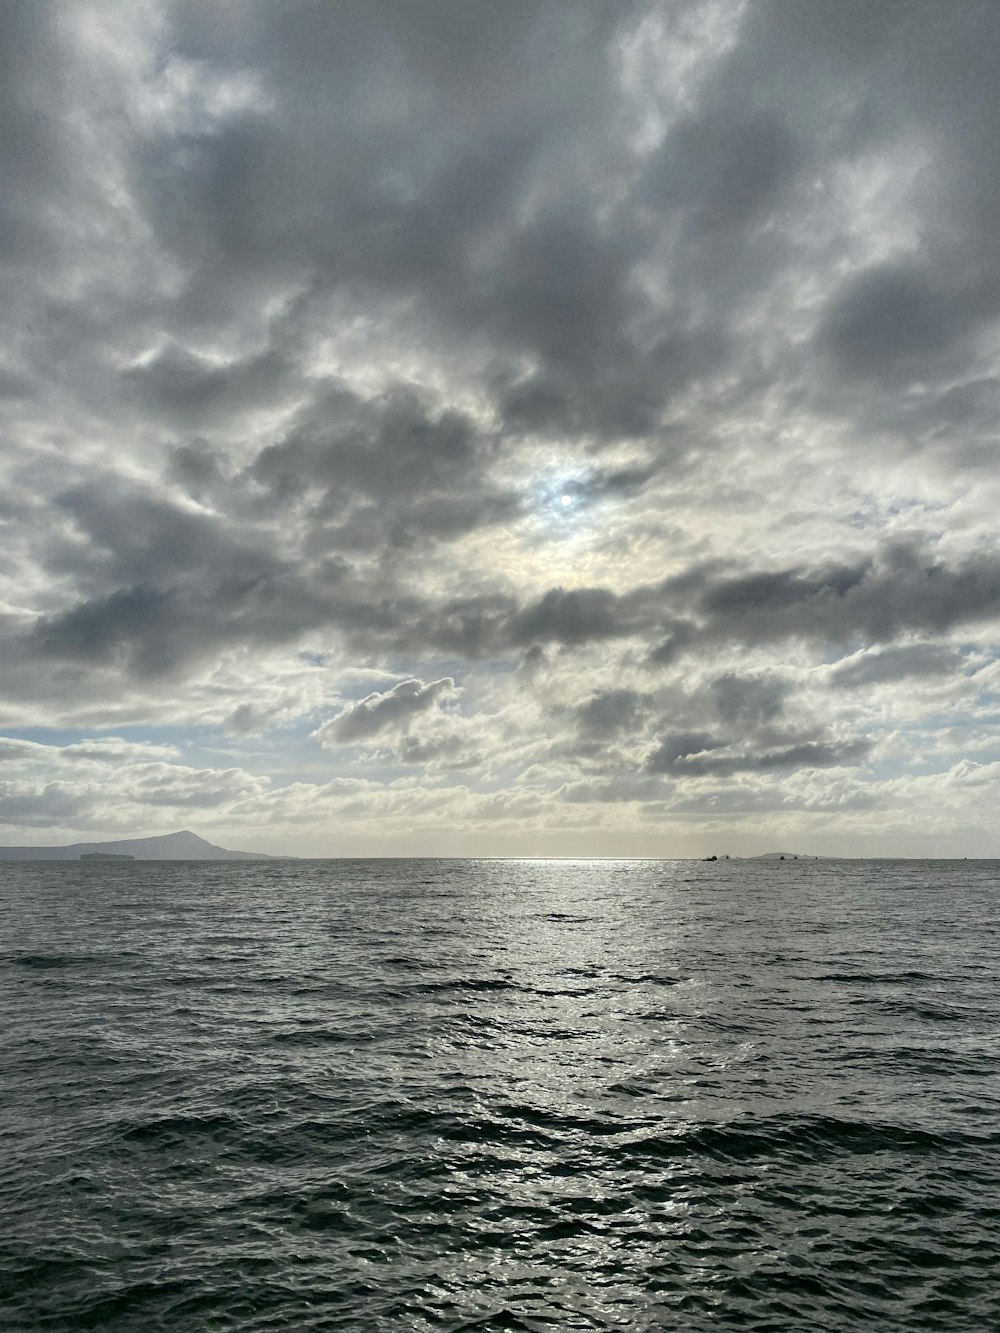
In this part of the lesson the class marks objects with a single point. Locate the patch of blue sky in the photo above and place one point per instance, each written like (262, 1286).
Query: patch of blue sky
(312, 658)
(196, 747)
(283, 751)
(179, 737)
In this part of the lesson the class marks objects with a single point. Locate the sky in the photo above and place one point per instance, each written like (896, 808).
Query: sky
(538, 428)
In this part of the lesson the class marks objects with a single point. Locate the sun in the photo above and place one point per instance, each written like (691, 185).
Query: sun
(566, 500)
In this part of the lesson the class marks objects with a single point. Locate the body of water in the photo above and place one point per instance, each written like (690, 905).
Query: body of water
(522, 1095)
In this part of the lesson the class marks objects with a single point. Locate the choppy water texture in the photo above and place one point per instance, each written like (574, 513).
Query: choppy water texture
(499, 1095)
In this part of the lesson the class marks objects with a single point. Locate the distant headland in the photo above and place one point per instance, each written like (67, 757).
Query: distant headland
(183, 846)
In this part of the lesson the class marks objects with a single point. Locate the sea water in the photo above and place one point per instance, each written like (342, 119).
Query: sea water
(537, 1095)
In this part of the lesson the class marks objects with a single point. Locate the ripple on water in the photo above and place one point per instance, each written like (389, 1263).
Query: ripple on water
(488, 1095)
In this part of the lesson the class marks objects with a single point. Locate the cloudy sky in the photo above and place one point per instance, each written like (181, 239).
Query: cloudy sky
(552, 427)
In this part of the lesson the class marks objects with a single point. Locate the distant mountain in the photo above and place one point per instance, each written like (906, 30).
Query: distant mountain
(184, 846)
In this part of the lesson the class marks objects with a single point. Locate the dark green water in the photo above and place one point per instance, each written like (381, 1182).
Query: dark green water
(443, 1095)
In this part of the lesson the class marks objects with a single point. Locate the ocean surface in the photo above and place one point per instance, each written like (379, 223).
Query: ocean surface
(485, 1095)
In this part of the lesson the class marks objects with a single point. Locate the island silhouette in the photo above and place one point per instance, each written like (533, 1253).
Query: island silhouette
(181, 846)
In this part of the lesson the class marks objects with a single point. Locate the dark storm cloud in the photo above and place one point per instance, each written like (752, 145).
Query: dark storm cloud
(140, 622)
(183, 583)
(141, 633)
(892, 664)
(126, 533)
(700, 754)
(390, 711)
(915, 319)
(777, 592)
(718, 171)
(367, 475)
(180, 385)
(343, 441)
(748, 700)
(608, 712)
(477, 166)
(890, 321)
(808, 95)
(253, 597)
(163, 586)
(398, 141)
(569, 616)
(378, 177)
(904, 589)
(32, 147)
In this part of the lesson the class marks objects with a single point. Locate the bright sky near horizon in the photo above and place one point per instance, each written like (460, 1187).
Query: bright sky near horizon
(528, 428)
